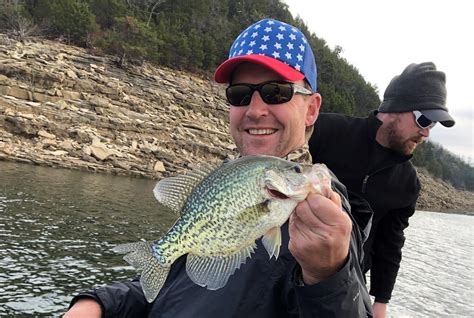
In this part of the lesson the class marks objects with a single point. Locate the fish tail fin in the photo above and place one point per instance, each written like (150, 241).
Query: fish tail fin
(140, 256)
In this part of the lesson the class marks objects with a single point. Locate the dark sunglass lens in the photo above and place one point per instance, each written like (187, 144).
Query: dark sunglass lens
(424, 121)
(276, 93)
(239, 95)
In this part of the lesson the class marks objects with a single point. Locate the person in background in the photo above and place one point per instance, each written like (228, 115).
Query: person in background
(371, 157)
(272, 92)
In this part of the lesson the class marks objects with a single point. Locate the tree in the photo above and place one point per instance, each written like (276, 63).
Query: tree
(15, 19)
(69, 18)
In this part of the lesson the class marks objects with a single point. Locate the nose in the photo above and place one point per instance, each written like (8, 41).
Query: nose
(257, 107)
(425, 132)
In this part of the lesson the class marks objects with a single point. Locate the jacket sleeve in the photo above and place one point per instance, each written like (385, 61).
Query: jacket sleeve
(118, 300)
(387, 252)
(343, 294)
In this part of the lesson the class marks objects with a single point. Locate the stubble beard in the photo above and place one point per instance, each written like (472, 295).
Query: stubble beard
(399, 143)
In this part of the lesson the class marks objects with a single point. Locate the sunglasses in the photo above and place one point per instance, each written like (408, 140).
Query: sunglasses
(272, 92)
(422, 121)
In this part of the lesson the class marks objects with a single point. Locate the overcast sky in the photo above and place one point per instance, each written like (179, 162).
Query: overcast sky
(380, 38)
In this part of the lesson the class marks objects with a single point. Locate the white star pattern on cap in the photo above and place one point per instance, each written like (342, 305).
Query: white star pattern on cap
(282, 38)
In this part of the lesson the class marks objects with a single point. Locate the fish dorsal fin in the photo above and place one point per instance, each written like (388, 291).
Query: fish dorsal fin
(214, 272)
(272, 241)
(172, 192)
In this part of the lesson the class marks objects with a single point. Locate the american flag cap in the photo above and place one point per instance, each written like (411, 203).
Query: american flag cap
(276, 45)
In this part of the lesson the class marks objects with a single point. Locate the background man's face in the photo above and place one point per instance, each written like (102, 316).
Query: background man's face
(274, 130)
(403, 134)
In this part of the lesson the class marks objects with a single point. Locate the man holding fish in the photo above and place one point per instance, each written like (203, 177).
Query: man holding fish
(204, 266)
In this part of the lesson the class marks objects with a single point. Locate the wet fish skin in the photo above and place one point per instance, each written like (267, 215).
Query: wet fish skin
(224, 209)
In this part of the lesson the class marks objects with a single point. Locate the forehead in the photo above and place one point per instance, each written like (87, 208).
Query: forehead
(255, 73)
(249, 70)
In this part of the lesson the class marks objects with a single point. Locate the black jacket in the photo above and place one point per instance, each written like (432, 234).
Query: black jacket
(387, 180)
(260, 288)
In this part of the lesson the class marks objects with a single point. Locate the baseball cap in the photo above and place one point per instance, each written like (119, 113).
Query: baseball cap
(273, 44)
(419, 87)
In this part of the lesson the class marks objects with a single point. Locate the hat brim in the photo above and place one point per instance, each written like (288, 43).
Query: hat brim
(224, 72)
(439, 115)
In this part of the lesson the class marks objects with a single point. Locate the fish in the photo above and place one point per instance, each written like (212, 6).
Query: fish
(223, 209)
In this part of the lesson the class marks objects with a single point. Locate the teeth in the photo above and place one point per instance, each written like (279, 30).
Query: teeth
(261, 131)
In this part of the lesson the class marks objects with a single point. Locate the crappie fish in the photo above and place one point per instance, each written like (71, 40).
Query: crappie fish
(223, 210)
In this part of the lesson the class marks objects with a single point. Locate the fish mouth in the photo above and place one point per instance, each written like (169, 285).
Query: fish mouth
(276, 194)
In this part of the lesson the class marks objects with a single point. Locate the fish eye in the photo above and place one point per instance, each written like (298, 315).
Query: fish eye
(297, 169)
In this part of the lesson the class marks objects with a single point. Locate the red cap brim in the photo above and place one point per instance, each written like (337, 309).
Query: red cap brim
(224, 71)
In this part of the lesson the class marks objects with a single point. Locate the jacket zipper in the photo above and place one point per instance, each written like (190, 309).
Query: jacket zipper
(364, 182)
(366, 178)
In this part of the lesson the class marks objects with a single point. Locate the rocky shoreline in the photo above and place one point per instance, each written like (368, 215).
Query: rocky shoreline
(62, 106)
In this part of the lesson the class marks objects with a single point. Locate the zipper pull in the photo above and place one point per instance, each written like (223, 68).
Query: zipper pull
(364, 183)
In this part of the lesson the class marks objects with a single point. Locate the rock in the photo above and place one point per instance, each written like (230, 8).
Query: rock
(71, 74)
(66, 144)
(61, 104)
(58, 153)
(87, 150)
(100, 151)
(46, 134)
(159, 167)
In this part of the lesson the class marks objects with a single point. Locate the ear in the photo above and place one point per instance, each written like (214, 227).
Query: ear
(313, 109)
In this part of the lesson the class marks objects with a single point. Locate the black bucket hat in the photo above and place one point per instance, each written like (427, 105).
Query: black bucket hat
(420, 87)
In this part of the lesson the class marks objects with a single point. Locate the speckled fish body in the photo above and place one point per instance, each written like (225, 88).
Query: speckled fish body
(224, 209)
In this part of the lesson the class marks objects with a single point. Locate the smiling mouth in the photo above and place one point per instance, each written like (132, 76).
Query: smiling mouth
(261, 131)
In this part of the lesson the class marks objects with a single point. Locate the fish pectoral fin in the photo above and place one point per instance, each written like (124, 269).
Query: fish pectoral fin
(214, 272)
(172, 192)
(141, 257)
(272, 241)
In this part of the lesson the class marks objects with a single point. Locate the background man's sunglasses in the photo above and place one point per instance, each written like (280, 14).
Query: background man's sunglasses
(422, 121)
(273, 92)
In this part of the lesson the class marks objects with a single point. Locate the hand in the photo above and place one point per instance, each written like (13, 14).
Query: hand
(84, 308)
(320, 233)
(380, 310)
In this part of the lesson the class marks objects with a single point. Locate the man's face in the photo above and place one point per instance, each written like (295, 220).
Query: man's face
(264, 129)
(403, 134)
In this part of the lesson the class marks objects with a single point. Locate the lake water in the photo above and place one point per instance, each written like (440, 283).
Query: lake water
(57, 228)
